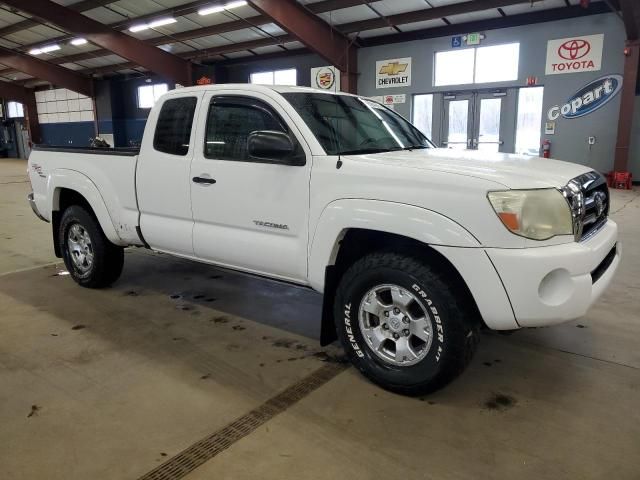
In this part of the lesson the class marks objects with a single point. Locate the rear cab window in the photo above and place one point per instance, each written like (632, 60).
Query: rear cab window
(174, 124)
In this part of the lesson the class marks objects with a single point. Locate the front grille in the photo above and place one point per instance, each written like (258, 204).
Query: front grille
(588, 196)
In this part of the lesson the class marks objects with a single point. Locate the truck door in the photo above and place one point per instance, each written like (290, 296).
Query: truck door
(249, 214)
(163, 175)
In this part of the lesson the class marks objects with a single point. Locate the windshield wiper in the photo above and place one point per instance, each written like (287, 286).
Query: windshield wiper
(415, 147)
(361, 151)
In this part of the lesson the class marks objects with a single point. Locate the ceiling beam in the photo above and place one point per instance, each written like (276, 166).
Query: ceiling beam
(631, 18)
(221, 28)
(55, 74)
(435, 13)
(83, 6)
(155, 59)
(189, 8)
(316, 34)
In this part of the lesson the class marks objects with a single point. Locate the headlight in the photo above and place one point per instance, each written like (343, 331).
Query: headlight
(535, 214)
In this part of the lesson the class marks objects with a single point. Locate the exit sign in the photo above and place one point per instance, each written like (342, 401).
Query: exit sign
(473, 39)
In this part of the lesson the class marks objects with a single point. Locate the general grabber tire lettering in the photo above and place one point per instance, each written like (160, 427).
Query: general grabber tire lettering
(91, 259)
(420, 330)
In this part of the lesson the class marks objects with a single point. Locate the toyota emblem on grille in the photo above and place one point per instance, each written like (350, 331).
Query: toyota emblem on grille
(601, 202)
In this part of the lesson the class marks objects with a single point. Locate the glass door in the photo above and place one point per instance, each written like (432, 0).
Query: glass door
(457, 125)
(487, 122)
(474, 121)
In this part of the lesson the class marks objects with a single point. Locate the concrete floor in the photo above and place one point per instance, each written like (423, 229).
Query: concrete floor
(111, 384)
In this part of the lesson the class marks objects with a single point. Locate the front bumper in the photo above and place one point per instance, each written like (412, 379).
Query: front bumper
(549, 285)
(35, 208)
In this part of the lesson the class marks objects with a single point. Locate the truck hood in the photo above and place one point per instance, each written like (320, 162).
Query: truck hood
(509, 170)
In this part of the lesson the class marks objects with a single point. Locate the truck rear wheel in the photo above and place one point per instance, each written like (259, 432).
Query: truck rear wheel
(403, 324)
(91, 259)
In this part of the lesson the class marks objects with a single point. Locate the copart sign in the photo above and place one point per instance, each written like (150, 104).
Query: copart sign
(589, 98)
(395, 72)
(575, 54)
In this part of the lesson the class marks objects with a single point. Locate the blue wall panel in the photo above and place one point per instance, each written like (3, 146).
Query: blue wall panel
(75, 134)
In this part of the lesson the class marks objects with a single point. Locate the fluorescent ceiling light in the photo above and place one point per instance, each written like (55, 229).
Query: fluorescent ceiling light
(221, 8)
(78, 41)
(210, 10)
(156, 23)
(138, 28)
(45, 49)
(239, 3)
(162, 21)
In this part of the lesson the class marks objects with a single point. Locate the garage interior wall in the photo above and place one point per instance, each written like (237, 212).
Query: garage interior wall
(570, 140)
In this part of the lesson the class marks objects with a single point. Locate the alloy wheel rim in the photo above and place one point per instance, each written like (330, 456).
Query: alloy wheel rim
(80, 248)
(395, 325)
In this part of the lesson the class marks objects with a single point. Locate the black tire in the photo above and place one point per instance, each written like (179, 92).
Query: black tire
(108, 259)
(454, 324)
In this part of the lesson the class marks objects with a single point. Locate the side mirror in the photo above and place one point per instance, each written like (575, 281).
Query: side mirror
(273, 146)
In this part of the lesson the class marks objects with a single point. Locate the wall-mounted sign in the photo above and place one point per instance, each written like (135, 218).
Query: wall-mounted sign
(474, 38)
(575, 54)
(589, 98)
(393, 99)
(390, 99)
(326, 78)
(550, 128)
(395, 72)
(456, 42)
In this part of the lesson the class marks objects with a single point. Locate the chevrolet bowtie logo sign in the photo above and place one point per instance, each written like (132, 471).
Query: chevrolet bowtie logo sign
(393, 68)
(393, 72)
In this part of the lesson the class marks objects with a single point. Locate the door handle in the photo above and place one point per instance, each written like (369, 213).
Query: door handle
(204, 180)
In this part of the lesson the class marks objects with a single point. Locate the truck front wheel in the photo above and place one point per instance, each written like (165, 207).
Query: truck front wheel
(91, 259)
(403, 324)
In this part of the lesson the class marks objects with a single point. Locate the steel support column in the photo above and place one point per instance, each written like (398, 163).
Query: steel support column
(627, 104)
(134, 50)
(336, 48)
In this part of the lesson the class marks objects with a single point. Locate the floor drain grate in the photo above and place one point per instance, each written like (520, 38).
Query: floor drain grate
(207, 448)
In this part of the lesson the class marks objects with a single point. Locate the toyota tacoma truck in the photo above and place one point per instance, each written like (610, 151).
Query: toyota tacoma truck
(415, 248)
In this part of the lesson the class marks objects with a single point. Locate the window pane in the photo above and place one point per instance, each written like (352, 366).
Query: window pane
(458, 124)
(498, 63)
(145, 96)
(489, 128)
(454, 67)
(423, 113)
(286, 77)
(173, 129)
(159, 90)
(262, 78)
(529, 120)
(15, 110)
(229, 126)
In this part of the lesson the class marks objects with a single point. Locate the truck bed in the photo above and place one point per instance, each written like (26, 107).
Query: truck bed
(124, 151)
(108, 172)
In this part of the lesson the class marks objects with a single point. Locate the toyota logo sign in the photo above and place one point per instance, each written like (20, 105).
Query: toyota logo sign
(574, 49)
(575, 54)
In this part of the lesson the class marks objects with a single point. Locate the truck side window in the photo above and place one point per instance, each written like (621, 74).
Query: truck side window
(173, 129)
(229, 123)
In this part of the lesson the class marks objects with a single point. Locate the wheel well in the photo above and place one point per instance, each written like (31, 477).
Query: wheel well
(357, 243)
(63, 199)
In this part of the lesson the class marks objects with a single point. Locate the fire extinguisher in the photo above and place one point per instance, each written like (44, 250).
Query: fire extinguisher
(546, 149)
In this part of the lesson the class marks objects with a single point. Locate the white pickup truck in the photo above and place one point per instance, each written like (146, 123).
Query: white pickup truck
(415, 248)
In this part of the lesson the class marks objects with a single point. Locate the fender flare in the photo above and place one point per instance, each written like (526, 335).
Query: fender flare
(421, 224)
(80, 183)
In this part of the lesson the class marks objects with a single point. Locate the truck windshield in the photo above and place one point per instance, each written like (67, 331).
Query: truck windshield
(346, 125)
